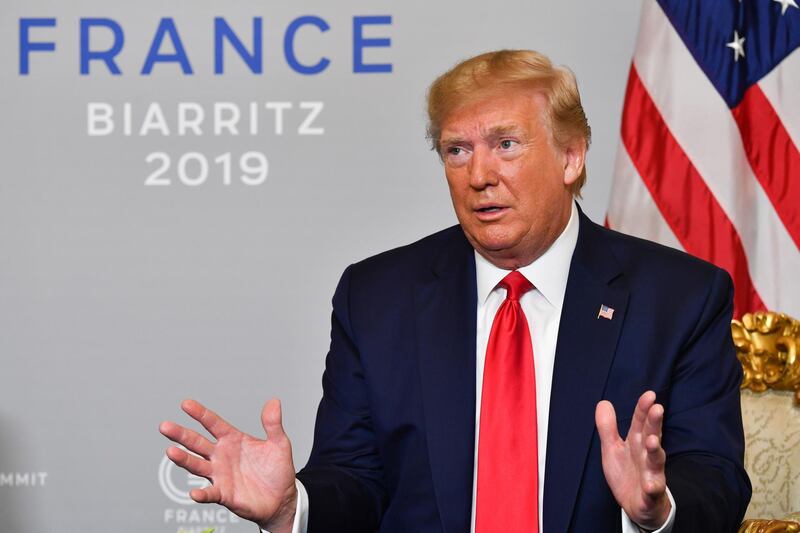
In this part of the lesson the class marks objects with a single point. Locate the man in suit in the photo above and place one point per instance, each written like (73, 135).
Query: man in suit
(473, 376)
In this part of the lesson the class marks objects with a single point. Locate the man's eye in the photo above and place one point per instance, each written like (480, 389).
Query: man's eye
(505, 144)
(454, 150)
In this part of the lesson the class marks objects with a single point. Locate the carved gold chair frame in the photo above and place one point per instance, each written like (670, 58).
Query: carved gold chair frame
(767, 346)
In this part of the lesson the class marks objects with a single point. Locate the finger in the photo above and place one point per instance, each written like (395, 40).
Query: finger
(208, 418)
(196, 465)
(653, 421)
(272, 421)
(209, 494)
(640, 412)
(655, 456)
(653, 478)
(606, 420)
(654, 487)
(191, 440)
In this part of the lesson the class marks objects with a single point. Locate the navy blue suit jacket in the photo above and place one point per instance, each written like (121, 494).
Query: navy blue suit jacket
(394, 440)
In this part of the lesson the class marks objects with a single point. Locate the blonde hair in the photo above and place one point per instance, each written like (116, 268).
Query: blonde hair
(473, 78)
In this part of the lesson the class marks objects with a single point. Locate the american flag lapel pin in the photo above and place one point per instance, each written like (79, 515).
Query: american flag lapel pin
(606, 312)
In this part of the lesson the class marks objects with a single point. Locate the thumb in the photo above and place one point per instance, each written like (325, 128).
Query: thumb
(606, 420)
(271, 420)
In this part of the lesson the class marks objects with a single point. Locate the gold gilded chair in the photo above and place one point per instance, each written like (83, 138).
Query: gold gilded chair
(768, 346)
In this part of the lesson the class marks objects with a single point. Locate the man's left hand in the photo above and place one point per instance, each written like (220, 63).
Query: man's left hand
(634, 467)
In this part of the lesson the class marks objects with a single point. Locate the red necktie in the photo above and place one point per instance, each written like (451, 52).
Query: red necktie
(507, 499)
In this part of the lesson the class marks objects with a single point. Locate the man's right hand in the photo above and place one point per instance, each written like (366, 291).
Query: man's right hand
(253, 478)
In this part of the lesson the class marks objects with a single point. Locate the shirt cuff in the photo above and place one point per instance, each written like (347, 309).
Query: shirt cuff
(629, 526)
(300, 524)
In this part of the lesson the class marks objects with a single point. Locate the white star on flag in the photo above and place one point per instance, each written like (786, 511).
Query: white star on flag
(737, 44)
(785, 5)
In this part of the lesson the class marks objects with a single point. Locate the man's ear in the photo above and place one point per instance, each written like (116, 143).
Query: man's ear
(574, 160)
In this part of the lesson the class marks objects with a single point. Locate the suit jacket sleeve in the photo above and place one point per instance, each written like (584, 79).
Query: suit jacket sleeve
(705, 472)
(344, 477)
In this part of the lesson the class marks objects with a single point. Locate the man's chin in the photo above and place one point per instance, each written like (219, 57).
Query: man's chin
(496, 249)
(495, 242)
(502, 250)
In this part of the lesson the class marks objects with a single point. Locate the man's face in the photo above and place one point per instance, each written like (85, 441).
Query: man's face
(508, 183)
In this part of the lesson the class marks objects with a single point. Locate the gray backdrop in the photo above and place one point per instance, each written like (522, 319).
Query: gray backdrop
(118, 299)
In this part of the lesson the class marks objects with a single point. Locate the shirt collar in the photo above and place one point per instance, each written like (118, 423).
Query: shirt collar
(548, 273)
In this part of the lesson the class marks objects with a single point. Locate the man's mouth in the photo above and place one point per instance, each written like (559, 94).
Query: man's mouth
(489, 213)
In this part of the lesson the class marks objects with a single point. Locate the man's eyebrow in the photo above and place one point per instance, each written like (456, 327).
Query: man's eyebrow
(452, 140)
(503, 129)
(493, 132)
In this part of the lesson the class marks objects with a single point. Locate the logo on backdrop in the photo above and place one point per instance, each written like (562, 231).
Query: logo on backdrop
(190, 517)
(177, 483)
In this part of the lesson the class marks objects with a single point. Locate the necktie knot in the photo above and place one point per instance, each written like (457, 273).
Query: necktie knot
(515, 285)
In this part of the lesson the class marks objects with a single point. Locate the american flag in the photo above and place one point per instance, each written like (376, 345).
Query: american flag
(709, 159)
(606, 312)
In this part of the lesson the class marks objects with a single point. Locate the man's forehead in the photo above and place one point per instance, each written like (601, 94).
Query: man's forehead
(520, 113)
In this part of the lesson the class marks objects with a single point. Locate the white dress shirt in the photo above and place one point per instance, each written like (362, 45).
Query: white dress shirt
(542, 308)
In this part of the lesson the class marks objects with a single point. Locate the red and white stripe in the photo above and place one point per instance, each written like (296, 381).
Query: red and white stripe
(721, 185)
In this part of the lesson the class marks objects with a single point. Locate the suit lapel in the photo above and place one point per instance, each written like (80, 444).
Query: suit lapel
(445, 305)
(584, 352)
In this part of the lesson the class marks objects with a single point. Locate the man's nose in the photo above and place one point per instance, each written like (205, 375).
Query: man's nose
(482, 171)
